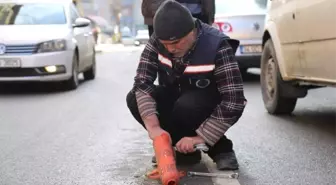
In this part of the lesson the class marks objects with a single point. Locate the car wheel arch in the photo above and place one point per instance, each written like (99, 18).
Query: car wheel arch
(271, 33)
(265, 37)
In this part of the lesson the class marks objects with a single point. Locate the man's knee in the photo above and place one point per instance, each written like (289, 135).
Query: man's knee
(131, 100)
(133, 105)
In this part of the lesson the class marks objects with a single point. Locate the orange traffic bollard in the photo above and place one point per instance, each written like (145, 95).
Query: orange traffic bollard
(166, 166)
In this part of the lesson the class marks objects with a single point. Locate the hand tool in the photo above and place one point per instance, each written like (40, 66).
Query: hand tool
(200, 147)
(217, 175)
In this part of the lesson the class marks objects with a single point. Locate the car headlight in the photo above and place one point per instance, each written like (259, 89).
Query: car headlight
(136, 42)
(52, 46)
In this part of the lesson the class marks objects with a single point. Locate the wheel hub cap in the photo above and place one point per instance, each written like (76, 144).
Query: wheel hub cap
(270, 77)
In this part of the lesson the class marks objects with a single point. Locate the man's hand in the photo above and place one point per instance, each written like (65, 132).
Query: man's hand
(156, 131)
(186, 144)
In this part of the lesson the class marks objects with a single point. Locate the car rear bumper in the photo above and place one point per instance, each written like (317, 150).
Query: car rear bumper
(33, 67)
(142, 41)
(249, 60)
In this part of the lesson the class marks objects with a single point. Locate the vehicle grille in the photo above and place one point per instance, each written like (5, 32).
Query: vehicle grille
(21, 49)
(18, 72)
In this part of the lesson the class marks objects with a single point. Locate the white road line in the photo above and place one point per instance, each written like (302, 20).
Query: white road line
(212, 168)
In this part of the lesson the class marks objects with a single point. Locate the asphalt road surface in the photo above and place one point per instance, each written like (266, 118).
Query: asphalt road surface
(87, 136)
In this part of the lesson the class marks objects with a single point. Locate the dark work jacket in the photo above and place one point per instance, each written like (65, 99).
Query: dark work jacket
(199, 73)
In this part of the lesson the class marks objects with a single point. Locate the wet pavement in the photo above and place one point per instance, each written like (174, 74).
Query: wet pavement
(88, 136)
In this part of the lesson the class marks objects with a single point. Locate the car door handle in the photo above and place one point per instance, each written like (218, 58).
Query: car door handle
(86, 35)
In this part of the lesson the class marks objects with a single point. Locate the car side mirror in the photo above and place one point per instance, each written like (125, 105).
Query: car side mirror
(81, 22)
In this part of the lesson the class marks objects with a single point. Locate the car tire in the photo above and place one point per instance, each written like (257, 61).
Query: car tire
(73, 82)
(243, 72)
(272, 83)
(90, 74)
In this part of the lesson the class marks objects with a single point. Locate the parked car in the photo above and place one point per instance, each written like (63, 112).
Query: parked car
(127, 40)
(243, 20)
(53, 43)
(142, 37)
(299, 44)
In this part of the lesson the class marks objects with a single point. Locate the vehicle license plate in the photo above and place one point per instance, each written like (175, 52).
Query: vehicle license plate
(251, 49)
(10, 63)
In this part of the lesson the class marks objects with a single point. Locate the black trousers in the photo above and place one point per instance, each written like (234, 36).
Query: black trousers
(181, 115)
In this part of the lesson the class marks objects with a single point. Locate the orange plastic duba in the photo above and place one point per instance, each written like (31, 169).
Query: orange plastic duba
(166, 165)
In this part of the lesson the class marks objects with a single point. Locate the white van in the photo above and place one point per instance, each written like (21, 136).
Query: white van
(299, 51)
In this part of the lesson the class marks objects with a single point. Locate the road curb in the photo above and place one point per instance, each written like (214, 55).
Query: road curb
(212, 169)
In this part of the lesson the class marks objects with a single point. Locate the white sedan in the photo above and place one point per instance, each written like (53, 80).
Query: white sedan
(45, 40)
(142, 37)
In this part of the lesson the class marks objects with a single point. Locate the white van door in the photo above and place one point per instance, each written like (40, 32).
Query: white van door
(317, 35)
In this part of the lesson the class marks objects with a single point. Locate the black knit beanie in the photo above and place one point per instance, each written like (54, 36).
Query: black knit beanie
(172, 21)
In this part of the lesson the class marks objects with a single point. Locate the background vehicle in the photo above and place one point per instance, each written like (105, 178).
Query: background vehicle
(299, 44)
(141, 37)
(243, 20)
(45, 41)
(127, 40)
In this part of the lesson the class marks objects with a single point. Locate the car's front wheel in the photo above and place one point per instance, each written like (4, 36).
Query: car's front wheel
(90, 74)
(73, 82)
(271, 83)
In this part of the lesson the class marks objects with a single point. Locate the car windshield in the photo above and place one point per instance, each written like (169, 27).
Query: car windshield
(31, 14)
(240, 6)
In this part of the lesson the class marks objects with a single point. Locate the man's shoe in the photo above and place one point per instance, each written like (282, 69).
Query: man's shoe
(185, 159)
(226, 161)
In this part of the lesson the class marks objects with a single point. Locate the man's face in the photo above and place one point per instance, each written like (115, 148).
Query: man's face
(181, 46)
